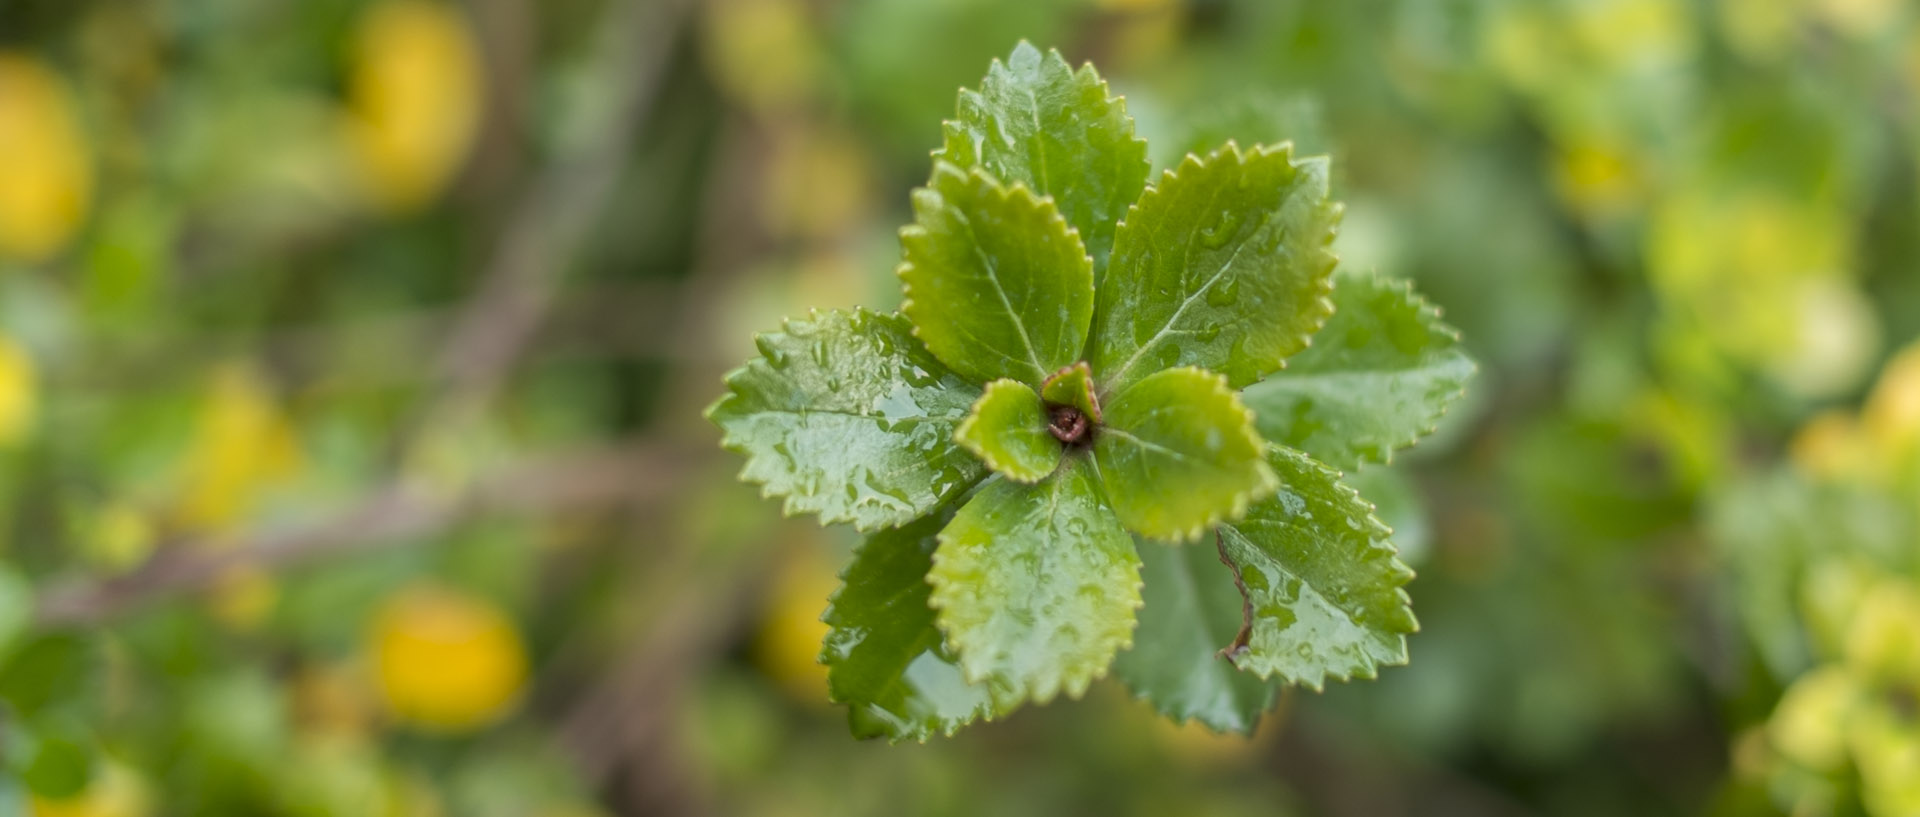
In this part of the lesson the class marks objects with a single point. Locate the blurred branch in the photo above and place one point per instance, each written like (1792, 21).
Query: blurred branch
(625, 320)
(545, 231)
(401, 511)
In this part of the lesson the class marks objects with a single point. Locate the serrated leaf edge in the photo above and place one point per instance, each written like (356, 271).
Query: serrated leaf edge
(920, 736)
(1403, 576)
(1086, 73)
(1074, 688)
(1025, 196)
(1432, 317)
(962, 434)
(1093, 398)
(1322, 300)
(730, 443)
(1237, 510)
(1181, 717)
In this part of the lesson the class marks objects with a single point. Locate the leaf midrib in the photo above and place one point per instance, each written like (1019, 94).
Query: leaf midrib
(993, 277)
(1186, 260)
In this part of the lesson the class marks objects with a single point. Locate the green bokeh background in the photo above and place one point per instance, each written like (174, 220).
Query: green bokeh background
(1673, 232)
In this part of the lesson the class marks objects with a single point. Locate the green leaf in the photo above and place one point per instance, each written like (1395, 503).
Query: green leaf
(1178, 454)
(48, 669)
(847, 416)
(996, 282)
(1325, 583)
(1378, 377)
(1036, 121)
(885, 658)
(16, 607)
(1008, 431)
(51, 756)
(1191, 611)
(1073, 386)
(1036, 587)
(1224, 265)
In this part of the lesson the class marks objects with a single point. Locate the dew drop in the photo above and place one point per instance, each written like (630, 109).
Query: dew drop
(1253, 578)
(1222, 230)
(1224, 294)
(775, 356)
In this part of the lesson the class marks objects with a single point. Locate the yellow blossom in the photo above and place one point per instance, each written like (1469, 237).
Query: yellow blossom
(1892, 412)
(788, 644)
(43, 158)
(762, 52)
(1809, 726)
(415, 97)
(19, 389)
(1883, 639)
(114, 792)
(242, 447)
(446, 661)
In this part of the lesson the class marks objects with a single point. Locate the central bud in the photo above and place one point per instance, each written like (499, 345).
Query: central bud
(1068, 424)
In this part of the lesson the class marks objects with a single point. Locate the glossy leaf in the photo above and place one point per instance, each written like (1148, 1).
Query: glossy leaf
(1326, 584)
(1377, 378)
(1037, 121)
(1191, 610)
(1223, 265)
(885, 658)
(1036, 586)
(1178, 453)
(1008, 431)
(997, 284)
(847, 416)
(1073, 386)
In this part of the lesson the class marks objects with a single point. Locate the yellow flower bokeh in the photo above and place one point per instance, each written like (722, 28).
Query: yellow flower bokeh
(244, 445)
(446, 661)
(43, 158)
(415, 96)
(19, 389)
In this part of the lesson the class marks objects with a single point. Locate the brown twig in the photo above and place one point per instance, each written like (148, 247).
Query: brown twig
(544, 232)
(399, 511)
(1233, 651)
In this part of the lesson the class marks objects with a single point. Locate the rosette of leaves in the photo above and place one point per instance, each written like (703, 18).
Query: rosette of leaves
(1076, 440)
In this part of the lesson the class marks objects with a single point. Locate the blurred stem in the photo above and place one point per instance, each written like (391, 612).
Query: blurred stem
(637, 472)
(545, 231)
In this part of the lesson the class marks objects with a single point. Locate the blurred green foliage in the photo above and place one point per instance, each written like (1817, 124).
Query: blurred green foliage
(1670, 541)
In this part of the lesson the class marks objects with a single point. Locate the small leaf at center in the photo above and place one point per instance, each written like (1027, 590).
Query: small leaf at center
(1073, 386)
(1178, 454)
(1008, 431)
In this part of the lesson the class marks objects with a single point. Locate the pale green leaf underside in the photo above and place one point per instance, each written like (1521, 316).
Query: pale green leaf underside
(1382, 372)
(1036, 587)
(997, 284)
(885, 658)
(1191, 610)
(847, 416)
(1036, 121)
(1224, 265)
(1008, 431)
(1178, 454)
(1325, 582)
(1073, 386)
